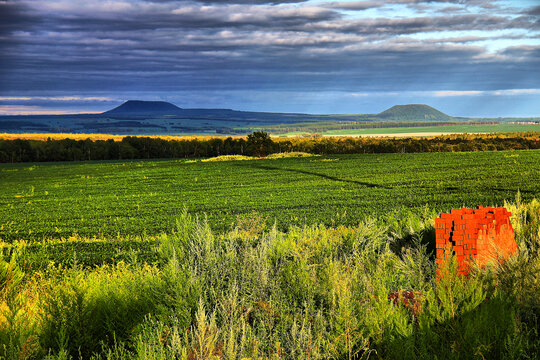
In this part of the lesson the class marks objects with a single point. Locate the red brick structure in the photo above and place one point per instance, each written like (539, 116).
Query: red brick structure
(481, 235)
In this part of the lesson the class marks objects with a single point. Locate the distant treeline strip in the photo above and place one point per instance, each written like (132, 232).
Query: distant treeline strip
(131, 147)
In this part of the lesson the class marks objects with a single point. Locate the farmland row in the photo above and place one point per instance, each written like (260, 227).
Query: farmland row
(111, 198)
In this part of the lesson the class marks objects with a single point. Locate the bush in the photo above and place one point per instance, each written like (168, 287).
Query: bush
(228, 158)
(86, 309)
(293, 154)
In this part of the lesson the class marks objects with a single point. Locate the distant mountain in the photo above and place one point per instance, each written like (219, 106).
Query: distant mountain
(139, 107)
(160, 117)
(413, 112)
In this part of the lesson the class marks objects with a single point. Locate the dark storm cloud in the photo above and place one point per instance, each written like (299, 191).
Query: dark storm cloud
(534, 15)
(416, 4)
(311, 20)
(535, 11)
(191, 16)
(170, 46)
(523, 52)
(13, 16)
(393, 26)
(266, 66)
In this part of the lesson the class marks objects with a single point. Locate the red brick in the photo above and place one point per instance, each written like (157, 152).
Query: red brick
(483, 234)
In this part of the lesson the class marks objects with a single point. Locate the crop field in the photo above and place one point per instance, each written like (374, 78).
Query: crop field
(418, 130)
(108, 260)
(112, 199)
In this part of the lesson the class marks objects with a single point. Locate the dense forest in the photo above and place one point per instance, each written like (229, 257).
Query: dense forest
(256, 144)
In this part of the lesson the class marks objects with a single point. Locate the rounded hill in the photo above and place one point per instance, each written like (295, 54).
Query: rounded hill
(413, 112)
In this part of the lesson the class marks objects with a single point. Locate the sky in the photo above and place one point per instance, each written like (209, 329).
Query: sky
(465, 58)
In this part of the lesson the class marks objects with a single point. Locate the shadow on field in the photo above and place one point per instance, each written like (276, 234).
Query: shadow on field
(482, 331)
(333, 178)
(512, 191)
(425, 237)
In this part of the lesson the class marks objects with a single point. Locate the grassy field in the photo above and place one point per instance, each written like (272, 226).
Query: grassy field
(252, 292)
(453, 129)
(111, 199)
(103, 260)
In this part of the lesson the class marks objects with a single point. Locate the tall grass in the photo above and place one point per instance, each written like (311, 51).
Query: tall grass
(313, 292)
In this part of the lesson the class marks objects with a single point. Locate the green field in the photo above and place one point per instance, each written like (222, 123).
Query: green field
(108, 199)
(145, 279)
(453, 129)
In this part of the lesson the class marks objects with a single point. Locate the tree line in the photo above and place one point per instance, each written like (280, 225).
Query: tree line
(255, 144)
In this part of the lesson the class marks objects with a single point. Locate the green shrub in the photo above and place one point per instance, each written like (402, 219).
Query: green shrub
(85, 309)
(292, 154)
(228, 158)
(17, 338)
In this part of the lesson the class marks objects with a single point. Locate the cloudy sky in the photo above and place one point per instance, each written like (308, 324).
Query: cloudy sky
(464, 57)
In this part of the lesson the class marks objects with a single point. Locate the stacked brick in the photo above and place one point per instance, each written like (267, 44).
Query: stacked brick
(475, 235)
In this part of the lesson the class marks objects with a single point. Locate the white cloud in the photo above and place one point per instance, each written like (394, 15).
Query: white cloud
(56, 98)
(517, 92)
(445, 93)
(508, 92)
(30, 110)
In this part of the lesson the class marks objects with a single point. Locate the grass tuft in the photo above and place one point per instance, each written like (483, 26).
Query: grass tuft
(228, 158)
(292, 154)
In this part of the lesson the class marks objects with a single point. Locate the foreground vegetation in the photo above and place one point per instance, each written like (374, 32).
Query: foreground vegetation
(312, 292)
(119, 199)
(272, 258)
